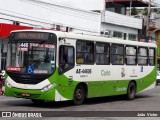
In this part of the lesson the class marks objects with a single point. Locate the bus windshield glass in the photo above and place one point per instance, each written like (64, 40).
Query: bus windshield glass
(31, 58)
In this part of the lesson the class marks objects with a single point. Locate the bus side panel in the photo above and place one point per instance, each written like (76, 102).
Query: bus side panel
(121, 87)
(94, 89)
(66, 87)
(146, 81)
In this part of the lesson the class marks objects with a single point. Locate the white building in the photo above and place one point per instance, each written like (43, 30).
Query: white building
(94, 17)
(113, 16)
(75, 14)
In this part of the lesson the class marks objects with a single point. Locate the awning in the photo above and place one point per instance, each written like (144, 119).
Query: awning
(5, 29)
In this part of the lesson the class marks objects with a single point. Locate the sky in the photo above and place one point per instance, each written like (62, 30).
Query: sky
(156, 1)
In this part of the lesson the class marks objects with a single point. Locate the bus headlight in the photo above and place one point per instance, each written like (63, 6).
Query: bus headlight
(48, 87)
(8, 84)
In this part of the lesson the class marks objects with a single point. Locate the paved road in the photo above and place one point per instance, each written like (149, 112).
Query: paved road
(145, 101)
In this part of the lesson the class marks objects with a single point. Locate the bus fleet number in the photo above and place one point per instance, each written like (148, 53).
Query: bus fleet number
(84, 71)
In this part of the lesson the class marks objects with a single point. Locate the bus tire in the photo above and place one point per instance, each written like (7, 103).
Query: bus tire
(37, 102)
(79, 95)
(131, 91)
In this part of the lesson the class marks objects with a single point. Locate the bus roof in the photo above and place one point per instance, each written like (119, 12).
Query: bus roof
(93, 38)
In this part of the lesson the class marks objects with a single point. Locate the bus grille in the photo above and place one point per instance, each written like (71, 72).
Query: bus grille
(27, 81)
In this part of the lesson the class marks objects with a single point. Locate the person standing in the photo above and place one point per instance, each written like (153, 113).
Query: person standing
(1, 82)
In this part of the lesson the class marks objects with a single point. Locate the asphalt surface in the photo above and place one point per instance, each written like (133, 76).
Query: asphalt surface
(145, 101)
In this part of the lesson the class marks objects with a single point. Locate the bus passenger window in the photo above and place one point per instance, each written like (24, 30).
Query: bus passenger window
(131, 52)
(85, 52)
(66, 58)
(151, 56)
(117, 54)
(102, 54)
(142, 56)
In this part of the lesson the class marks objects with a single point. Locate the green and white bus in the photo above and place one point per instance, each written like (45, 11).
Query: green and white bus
(44, 65)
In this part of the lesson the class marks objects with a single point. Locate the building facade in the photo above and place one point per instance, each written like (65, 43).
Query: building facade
(95, 17)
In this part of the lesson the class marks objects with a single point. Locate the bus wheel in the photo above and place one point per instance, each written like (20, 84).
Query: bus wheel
(37, 102)
(131, 91)
(79, 95)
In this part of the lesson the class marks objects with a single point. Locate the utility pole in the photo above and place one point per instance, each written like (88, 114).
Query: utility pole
(130, 7)
(148, 18)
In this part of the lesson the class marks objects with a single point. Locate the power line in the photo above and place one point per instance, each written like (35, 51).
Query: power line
(55, 23)
(24, 18)
(76, 27)
(20, 22)
(19, 16)
(41, 4)
(23, 14)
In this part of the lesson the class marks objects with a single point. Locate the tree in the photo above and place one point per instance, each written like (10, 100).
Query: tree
(134, 11)
(145, 11)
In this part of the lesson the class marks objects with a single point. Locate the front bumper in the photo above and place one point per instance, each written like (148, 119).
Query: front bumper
(33, 94)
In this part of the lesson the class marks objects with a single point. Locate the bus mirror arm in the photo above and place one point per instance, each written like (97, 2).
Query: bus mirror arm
(60, 70)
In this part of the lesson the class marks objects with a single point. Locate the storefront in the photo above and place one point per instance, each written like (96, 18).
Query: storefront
(5, 30)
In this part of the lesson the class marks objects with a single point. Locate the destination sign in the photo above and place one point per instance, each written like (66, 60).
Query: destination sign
(31, 35)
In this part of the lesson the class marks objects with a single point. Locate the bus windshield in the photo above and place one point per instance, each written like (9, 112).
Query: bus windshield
(31, 58)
